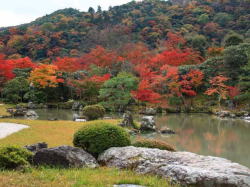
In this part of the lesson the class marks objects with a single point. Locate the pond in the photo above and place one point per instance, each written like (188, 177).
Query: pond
(199, 133)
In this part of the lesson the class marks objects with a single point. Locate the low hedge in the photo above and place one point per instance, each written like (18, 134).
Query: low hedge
(153, 143)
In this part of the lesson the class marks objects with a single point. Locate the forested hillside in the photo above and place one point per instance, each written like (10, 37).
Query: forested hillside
(163, 53)
(69, 32)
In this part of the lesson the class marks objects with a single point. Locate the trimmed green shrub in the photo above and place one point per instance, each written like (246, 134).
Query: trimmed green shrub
(152, 143)
(13, 157)
(96, 138)
(93, 112)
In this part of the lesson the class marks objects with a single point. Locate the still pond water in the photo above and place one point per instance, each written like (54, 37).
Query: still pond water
(199, 133)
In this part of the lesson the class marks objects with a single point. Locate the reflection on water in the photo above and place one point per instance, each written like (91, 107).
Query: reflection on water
(208, 135)
(200, 133)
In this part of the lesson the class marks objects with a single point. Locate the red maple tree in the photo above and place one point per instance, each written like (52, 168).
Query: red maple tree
(145, 93)
(101, 57)
(5, 70)
(67, 64)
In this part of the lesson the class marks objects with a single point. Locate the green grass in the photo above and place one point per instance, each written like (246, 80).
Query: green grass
(77, 177)
(57, 133)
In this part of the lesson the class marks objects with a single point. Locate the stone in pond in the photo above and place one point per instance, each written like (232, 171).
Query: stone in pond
(127, 120)
(166, 131)
(76, 105)
(17, 112)
(65, 156)
(31, 105)
(183, 167)
(31, 114)
(149, 112)
(148, 123)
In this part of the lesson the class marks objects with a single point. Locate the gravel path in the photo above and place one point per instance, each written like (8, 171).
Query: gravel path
(7, 129)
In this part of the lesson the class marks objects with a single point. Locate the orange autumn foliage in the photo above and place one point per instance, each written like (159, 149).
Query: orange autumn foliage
(218, 87)
(45, 76)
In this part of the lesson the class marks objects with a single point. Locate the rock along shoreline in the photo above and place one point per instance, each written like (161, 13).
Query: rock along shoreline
(184, 168)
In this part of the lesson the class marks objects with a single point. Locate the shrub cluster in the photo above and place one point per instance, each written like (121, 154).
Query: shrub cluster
(13, 157)
(96, 138)
(93, 112)
(152, 143)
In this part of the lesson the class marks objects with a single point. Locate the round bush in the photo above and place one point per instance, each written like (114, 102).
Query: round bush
(12, 157)
(96, 138)
(152, 143)
(93, 112)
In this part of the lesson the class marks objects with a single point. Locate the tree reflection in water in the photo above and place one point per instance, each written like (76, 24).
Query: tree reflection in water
(208, 135)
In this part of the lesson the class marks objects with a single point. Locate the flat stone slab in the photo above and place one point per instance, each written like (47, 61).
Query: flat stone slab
(183, 167)
(7, 129)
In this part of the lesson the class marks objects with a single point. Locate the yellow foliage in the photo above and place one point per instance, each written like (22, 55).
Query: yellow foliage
(44, 76)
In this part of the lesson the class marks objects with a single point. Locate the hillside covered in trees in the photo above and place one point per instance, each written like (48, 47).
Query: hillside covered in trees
(156, 52)
(69, 32)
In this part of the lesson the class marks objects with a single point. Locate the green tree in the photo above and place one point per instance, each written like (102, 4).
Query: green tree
(234, 58)
(199, 43)
(116, 91)
(222, 18)
(15, 89)
(22, 72)
(203, 18)
(91, 10)
(35, 95)
(99, 9)
(245, 80)
(232, 39)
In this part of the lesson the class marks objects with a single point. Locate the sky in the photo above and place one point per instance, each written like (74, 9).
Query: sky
(15, 12)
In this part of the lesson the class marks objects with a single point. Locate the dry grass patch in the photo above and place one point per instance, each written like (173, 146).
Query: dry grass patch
(3, 109)
(54, 133)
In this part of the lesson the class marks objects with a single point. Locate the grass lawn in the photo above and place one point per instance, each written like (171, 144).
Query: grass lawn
(77, 177)
(3, 111)
(57, 133)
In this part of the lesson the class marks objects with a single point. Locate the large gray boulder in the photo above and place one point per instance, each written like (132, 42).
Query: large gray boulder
(65, 156)
(182, 167)
(148, 123)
